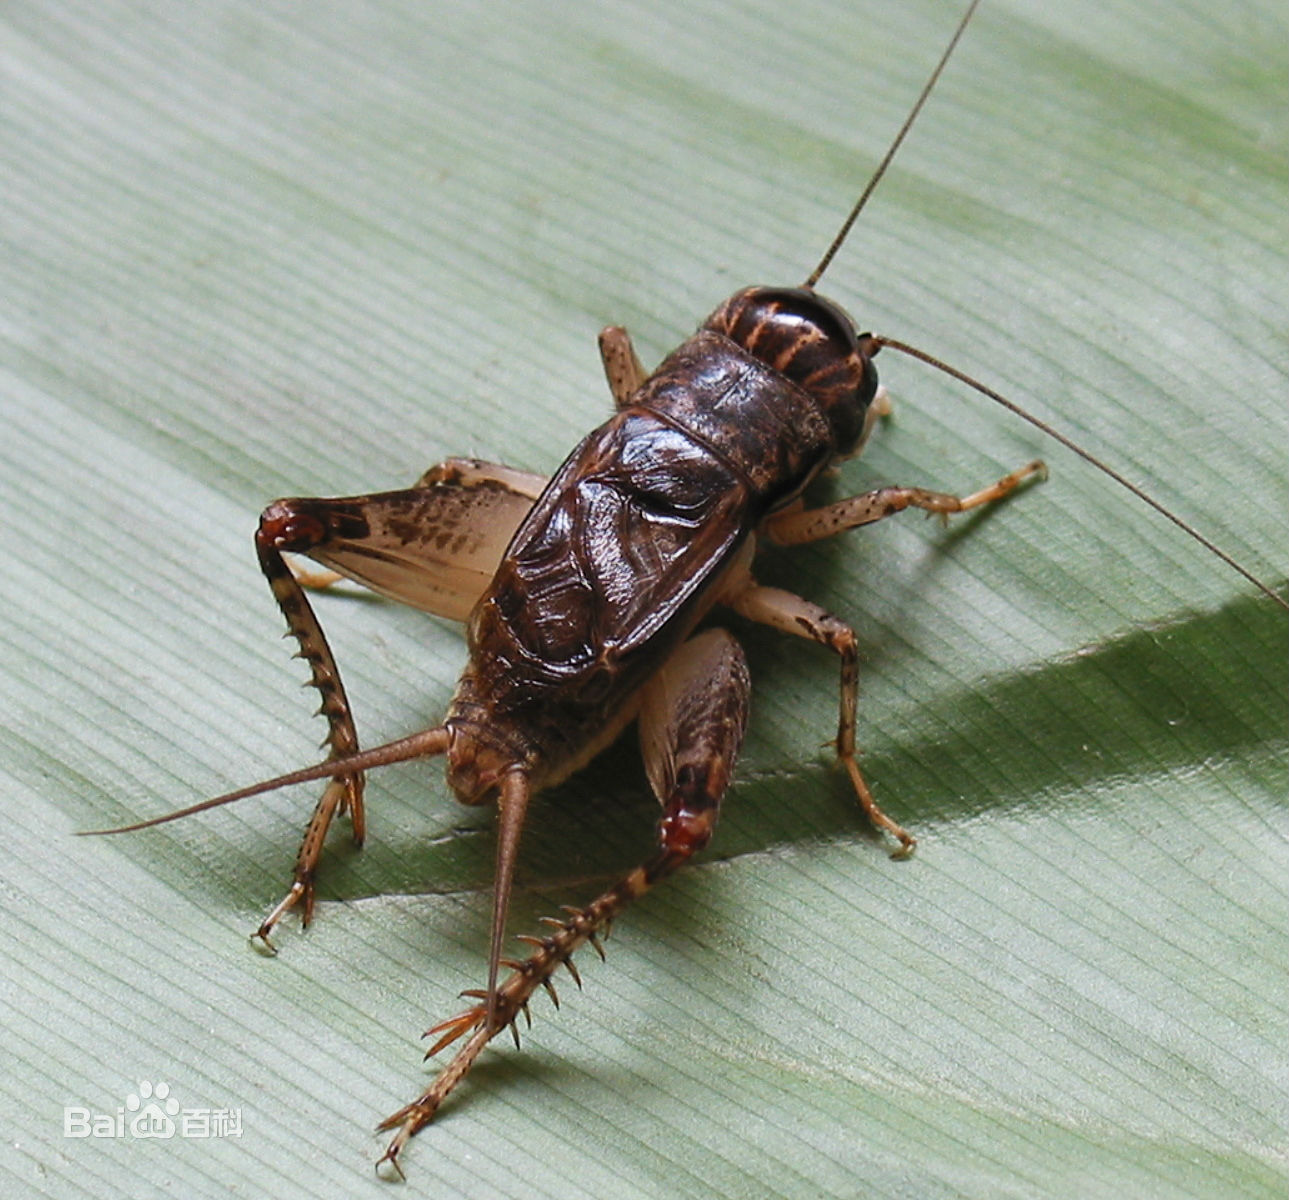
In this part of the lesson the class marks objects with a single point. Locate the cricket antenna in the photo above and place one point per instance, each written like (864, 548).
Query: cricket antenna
(425, 744)
(875, 341)
(851, 217)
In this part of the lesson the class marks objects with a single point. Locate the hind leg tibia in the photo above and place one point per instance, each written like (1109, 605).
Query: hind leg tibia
(344, 793)
(692, 717)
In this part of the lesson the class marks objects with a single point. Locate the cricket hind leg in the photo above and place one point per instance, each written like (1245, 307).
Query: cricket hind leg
(434, 546)
(344, 793)
(692, 717)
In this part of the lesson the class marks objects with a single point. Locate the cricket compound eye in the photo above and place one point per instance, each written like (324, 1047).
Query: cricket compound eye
(810, 341)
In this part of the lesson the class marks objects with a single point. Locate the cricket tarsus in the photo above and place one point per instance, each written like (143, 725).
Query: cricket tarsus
(851, 217)
(1087, 456)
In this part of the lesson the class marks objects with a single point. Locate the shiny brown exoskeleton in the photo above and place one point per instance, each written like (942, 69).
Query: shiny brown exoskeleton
(585, 620)
(583, 595)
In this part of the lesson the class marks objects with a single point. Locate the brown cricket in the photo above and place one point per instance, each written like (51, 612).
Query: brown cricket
(583, 595)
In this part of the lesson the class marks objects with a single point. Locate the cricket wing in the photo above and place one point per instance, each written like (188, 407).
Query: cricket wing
(624, 541)
(435, 546)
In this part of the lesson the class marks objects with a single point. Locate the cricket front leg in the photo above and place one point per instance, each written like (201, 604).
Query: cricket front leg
(795, 526)
(692, 718)
(791, 614)
(622, 366)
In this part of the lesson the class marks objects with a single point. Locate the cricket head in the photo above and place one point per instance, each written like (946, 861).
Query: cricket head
(813, 343)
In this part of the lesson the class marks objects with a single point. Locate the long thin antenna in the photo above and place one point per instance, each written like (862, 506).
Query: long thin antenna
(1013, 407)
(836, 243)
(418, 745)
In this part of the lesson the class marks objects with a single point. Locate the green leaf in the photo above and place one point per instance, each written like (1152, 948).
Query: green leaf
(264, 249)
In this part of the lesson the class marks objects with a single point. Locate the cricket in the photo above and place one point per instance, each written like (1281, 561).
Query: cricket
(586, 599)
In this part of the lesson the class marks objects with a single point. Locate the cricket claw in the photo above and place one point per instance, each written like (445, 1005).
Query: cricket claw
(260, 940)
(300, 889)
(407, 1120)
(391, 1156)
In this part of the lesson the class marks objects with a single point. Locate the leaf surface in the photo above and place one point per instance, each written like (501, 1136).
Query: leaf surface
(263, 249)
